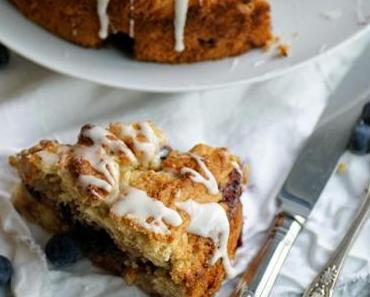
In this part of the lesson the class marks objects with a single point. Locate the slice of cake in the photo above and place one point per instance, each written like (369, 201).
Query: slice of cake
(171, 31)
(165, 220)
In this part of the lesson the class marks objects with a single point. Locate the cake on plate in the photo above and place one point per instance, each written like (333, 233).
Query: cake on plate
(169, 31)
(167, 221)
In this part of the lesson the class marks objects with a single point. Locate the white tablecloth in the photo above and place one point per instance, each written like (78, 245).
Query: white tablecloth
(265, 123)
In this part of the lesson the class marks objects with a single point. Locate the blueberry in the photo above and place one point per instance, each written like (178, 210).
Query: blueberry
(366, 113)
(6, 270)
(62, 250)
(360, 139)
(4, 56)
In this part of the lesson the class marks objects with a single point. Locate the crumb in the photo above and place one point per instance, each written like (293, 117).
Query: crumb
(342, 168)
(270, 44)
(283, 50)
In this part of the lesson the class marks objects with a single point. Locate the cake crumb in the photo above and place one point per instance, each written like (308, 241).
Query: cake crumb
(342, 168)
(283, 50)
(271, 43)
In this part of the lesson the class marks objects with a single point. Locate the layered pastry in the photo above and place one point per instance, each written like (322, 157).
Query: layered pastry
(170, 31)
(165, 220)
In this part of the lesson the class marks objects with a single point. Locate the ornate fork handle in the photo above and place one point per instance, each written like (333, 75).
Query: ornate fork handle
(323, 285)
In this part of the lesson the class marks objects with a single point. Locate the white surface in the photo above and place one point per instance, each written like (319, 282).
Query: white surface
(265, 124)
(303, 24)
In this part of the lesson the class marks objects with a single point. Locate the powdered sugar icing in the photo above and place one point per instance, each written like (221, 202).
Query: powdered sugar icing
(148, 212)
(209, 181)
(210, 220)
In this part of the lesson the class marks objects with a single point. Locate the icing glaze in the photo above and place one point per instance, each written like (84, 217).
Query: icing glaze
(98, 157)
(137, 205)
(132, 20)
(101, 136)
(47, 157)
(181, 11)
(150, 147)
(102, 163)
(209, 181)
(210, 220)
(102, 6)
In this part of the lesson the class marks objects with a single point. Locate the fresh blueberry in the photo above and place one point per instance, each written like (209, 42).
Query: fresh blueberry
(6, 270)
(4, 56)
(62, 250)
(366, 113)
(360, 140)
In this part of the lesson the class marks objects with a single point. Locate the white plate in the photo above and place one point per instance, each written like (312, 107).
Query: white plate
(300, 23)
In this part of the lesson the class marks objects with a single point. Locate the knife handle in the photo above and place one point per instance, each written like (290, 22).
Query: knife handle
(262, 272)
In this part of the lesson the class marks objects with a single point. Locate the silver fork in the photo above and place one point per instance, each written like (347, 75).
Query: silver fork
(323, 285)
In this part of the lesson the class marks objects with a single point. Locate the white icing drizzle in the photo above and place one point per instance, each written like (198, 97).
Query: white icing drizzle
(237, 167)
(102, 6)
(137, 205)
(98, 157)
(48, 157)
(93, 180)
(181, 11)
(132, 20)
(102, 163)
(101, 136)
(210, 220)
(150, 148)
(209, 182)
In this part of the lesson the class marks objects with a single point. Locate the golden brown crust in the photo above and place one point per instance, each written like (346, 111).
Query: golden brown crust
(51, 174)
(214, 30)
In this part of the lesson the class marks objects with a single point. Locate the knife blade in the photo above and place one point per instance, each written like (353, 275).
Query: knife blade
(307, 179)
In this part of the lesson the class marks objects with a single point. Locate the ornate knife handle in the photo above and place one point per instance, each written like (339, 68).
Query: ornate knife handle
(263, 270)
(323, 285)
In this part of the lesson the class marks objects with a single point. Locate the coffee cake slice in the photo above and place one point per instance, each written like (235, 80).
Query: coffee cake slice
(167, 221)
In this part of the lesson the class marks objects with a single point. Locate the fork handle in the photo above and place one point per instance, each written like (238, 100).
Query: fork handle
(323, 285)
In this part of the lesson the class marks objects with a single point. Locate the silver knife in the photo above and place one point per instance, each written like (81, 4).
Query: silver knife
(307, 179)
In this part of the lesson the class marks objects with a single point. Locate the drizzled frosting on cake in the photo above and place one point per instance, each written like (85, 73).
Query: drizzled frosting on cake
(100, 136)
(148, 212)
(181, 10)
(209, 181)
(147, 144)
(210, 220)
(102, 7)
(101, 162)
(97, 154)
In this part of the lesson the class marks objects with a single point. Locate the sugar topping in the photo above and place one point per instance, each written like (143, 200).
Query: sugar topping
(100, 136)
(100, 160)
(209, 181)
(148, 212)
(104, 164)
(48, 157)
(102, 7)
(149, 147)
(210, 220)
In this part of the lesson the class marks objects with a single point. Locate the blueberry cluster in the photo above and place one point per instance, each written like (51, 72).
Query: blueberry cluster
(360, 139)
(6, 272)
(4, 56)
(62, 250)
